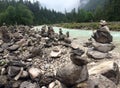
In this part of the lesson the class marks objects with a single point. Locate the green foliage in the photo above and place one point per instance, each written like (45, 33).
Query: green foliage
(23, 15)
(19, 14)
(26, 12)
(8, 16)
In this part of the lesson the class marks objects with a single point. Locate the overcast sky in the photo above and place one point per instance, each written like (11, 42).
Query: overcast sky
(60, 5)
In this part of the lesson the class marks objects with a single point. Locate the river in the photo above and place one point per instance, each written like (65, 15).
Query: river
(83, 35)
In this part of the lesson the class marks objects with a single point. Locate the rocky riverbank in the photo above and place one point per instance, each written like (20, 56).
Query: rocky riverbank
(45, 59)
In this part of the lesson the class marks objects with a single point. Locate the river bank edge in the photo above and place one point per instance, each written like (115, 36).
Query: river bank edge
(114, 26)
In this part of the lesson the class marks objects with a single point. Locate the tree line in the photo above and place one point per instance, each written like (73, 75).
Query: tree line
(28, 13)
(32, 13)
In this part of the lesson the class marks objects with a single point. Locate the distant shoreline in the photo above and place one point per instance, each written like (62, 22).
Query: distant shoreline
(114, 26)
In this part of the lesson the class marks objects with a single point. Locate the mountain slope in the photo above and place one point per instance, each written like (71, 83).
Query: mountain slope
(93, 4)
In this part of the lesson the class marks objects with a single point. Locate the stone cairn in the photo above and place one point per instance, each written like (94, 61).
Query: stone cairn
(99, 50)
(75, 71)
(102, 44)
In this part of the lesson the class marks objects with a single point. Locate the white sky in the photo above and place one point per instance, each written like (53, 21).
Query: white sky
(60, 5)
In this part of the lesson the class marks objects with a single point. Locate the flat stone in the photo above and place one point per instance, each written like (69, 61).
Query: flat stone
(78, 52)
(103, 47)
(96, 54)
(5, 45)
(13, 47)
(96, 81)
(55, 52)
(27, 84)
(67, 40)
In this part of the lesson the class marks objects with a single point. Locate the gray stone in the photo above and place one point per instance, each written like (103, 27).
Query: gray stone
(96, 54)
(13, 71)
(103, 47)
(78, 60)
(13, 47)
(36, 51)
(102, 37)
(71, 74)
(108, 69)
(19, 74)
(5, 45)
(96, 81)
(1, 50)
(3, 80)
(27, 84)
(55, 52)
(47, 78)
(67, 40)
(102, 82)
(24, 74)
(16, 84)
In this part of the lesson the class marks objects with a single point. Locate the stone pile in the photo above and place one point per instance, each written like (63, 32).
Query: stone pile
(102, 44)
(28, 58)
(99, 51)
(45, 59)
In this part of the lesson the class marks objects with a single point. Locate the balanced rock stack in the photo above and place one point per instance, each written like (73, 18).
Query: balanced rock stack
(76, 75)
(74, 72)
(104, 70)
(103, 43)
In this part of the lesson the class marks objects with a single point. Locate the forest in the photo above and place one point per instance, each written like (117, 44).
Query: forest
(33, 13)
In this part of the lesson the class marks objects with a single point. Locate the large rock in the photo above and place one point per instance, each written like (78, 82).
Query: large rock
(96, 81)
(13, 71)
(102, 37)
(71, 74)
(97, 55)
(27, 84)
(103, 47)
(36, 51)
(107, 68)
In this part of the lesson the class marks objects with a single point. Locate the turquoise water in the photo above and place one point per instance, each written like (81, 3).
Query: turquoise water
(83, 34)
